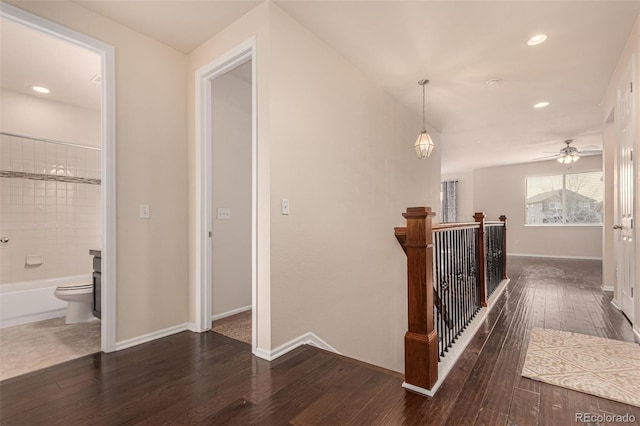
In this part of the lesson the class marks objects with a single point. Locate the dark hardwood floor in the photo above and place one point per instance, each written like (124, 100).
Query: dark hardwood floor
(210, 379)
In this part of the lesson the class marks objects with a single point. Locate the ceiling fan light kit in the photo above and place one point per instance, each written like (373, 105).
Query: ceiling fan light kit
(568, 158)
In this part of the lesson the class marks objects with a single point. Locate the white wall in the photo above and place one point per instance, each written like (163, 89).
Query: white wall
(340, 149)
(231, 242)
(40, 118)
(253, 24)
(151, 157)
(342, 154)
(464, 196)
(631, 50)
(502, 190)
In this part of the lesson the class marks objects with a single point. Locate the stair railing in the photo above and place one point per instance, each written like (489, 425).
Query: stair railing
(452, 269)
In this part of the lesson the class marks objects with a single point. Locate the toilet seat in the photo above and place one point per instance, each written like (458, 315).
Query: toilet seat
(75, 288)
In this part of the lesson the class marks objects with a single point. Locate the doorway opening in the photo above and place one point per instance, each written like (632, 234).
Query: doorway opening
(78, 176)
(226, 194)
(231, 203)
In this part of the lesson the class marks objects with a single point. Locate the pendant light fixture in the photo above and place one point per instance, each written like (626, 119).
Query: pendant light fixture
(424, 144)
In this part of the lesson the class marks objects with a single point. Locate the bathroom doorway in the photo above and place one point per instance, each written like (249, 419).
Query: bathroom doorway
(57, 190)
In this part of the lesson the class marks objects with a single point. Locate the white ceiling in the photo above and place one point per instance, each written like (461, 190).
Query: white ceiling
(183, 25)
(458, 45)
(32, 58)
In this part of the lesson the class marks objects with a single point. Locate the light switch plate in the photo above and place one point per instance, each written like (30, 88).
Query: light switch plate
(144, 211)
(285, 206)
(224, 213)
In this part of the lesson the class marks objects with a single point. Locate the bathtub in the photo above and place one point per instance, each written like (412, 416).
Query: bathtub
(30, 301)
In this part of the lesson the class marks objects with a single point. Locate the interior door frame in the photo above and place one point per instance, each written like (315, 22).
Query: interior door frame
(241, 54)
(108, 157)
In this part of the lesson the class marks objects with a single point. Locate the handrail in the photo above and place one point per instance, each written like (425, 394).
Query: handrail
(493, 223)
(454, 225)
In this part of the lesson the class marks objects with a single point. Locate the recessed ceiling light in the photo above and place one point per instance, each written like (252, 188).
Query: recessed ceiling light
(541, 105)
(537, 39)
(40, 89)
(494, 81)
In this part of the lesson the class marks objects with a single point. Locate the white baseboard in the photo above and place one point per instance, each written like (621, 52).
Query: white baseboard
(134, 341)
(636, 331)
(615, 304)
(553, 256)
(305, 339)
(192, 327)
(231, 312)
(606, 288)
(418, 389)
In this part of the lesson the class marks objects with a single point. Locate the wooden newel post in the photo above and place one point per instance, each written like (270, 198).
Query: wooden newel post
(503, 219)
(482, 279)
(421, 341)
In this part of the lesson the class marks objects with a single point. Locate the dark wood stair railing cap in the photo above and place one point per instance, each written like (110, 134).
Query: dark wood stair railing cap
(417, 212)
(479, 216)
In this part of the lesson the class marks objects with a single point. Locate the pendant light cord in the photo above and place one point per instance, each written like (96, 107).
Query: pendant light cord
(424, 126)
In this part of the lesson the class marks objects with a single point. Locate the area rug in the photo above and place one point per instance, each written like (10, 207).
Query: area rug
(594, 365)
(237, 327)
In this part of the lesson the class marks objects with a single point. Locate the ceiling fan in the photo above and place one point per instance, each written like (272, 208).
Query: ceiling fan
(570, 154)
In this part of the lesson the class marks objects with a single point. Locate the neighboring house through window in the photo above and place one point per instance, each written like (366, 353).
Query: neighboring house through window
(569, 199)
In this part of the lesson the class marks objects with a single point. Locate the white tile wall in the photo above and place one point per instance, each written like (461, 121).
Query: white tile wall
(58, 220)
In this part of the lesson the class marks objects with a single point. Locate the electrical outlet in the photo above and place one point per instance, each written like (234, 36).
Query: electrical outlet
(144, 211)
(224, 213)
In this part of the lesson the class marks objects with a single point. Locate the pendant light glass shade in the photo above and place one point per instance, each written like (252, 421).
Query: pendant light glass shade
(424, 144)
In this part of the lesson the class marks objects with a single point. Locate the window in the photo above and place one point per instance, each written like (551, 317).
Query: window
(448, 201)
(574, 198)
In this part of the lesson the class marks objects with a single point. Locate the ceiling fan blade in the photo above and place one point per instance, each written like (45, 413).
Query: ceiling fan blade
(591, 148)
(548, 157)
(592, 152)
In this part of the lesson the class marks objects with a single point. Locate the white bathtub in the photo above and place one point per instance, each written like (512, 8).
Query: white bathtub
(30, 301)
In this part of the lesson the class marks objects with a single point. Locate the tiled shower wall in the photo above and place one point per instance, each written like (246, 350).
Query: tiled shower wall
(49, 207)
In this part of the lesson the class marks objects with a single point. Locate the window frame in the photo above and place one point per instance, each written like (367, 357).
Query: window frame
(563, 208)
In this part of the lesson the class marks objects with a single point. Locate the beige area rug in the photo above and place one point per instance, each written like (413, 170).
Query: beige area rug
(30, 347)
(594, 365)
(237, 327)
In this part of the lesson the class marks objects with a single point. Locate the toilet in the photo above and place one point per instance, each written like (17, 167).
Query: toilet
(79, 298)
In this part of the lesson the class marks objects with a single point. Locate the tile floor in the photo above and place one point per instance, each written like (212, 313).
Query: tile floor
(29, 347)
